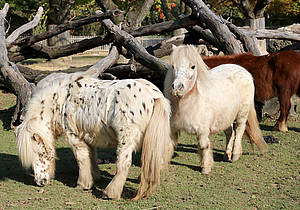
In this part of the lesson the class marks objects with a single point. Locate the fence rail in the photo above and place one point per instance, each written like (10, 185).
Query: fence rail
(63, 40)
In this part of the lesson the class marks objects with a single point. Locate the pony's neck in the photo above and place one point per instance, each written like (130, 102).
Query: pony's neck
(44, 105)
(203, 78)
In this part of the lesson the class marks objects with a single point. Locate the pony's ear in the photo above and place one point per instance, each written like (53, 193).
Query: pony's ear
(174, 47)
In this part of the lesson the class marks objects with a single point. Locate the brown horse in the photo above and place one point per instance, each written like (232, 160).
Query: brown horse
(276, 74)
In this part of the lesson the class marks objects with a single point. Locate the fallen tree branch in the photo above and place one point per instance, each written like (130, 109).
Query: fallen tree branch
(271, 34)
(249, 42)
(67, 26)
(167, 26)
(42, 51)
(224, 38)
(16, 33)
(103, 64)
(136, 49)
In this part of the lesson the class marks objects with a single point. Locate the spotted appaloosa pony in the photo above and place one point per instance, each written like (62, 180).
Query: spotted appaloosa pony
(276, 74)
(205, 102)
(90, 113)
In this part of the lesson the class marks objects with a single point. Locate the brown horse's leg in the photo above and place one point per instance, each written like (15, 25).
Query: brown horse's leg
(205, 152)
(284, 98)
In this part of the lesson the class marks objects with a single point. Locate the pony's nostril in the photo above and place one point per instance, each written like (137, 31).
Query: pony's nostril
(44, 182)
(181, 86)
(41, 182)
(173, 86)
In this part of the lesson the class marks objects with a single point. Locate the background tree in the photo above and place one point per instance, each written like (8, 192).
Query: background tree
(202, 24)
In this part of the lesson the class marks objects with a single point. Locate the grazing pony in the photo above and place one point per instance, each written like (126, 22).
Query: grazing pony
(205, 102)
(90, 113)
(276, 74)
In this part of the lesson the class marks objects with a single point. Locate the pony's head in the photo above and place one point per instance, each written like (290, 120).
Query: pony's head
(35, 144)
(187, 66)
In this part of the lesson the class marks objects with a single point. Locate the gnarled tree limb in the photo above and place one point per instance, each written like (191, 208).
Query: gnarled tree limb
(225, 39)
(136, 49)
(16, 33)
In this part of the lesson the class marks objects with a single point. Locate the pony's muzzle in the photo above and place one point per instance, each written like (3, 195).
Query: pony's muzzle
(41, 182)
(177, 90)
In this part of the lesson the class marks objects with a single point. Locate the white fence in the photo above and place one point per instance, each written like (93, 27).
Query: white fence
(145, 41)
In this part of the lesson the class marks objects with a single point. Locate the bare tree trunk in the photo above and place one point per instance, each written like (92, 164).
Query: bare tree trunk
(137, 15)
(58, 14)
(12, 76)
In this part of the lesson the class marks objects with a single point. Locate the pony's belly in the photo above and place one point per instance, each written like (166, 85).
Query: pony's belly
(223, 120)
(106, 140)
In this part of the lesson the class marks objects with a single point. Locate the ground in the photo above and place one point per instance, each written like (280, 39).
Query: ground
(256, 181)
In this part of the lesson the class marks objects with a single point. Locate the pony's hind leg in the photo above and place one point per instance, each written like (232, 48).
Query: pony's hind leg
(230, 136)
(82, 153)
(205, 152)
(126, 146)
(239, 130)
(95, 168)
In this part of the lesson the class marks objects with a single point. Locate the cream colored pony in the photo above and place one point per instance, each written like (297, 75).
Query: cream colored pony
(90, 113)
(206, 102)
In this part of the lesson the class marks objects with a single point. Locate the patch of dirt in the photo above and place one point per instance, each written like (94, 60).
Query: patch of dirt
(62, 63)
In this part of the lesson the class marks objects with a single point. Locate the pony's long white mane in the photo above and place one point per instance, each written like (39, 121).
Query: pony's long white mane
(37, 121)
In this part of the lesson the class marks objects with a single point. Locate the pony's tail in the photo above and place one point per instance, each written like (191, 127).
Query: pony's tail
(253, 131)
(24, 145)
(157, 148)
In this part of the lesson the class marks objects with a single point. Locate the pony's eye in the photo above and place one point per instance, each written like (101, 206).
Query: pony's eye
(173, 67)
(193, 67)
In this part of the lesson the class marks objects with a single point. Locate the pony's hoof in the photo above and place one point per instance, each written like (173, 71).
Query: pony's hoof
(110, 195)
(227, 156)
(206, 170)
(281, 127)
(236, 156)
(87, 186)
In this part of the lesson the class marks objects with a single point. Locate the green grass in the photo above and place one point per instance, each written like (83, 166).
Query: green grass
(269, 181)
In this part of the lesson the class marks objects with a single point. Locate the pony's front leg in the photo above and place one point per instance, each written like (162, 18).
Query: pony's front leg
(82, 153)
(124, 159)
(206, 154)
(230, 136)
(174, 136)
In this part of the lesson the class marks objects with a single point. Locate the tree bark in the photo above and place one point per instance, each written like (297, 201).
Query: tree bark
(134, 48)
(29, 40)
(137, 15)
(271, 34)
(167, 26)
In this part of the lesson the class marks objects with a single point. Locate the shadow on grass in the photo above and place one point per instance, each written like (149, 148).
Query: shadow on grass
(10, 168)
(271, 128)
(218, 155)
(66, 171)
(192, 148)
(5, 117)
